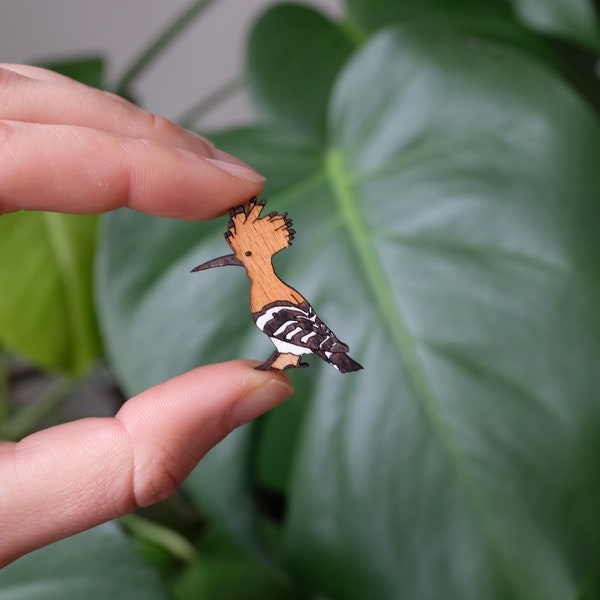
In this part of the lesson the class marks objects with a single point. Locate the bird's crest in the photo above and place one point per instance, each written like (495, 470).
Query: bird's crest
(247, 232)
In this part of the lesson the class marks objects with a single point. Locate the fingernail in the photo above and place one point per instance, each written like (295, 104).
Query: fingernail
(199, 143)
(203, 139)
(259, 401)
(233, 165)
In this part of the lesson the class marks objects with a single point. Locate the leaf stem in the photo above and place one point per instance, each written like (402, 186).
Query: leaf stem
(158, 44)
(342, 185)
(208, 103)
(159, 535)
(66, 255)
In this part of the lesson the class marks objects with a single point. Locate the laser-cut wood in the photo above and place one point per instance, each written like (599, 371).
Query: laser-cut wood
(278, 310)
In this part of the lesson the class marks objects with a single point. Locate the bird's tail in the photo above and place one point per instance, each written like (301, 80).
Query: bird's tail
(342, 362)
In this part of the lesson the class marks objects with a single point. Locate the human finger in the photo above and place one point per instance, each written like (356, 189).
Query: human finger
(58, 100)
(36, 72)
(68, 478)
(75, 169)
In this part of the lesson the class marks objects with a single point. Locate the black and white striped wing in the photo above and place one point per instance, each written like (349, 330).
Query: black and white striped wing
(298, 324)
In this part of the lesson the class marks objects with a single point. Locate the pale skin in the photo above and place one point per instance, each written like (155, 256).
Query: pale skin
(65, 147)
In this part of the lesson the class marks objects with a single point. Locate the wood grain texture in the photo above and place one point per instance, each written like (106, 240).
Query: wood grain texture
(278, 310)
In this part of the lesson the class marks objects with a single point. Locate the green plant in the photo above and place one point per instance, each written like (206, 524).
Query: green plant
(440, 161)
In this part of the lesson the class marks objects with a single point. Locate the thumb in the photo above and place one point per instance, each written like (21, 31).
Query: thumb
(71, 477)
(173, 425)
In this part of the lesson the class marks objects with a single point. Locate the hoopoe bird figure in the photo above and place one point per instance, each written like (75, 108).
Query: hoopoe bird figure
(278, 310)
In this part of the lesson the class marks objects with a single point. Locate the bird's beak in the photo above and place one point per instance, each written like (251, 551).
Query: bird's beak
(222, 261)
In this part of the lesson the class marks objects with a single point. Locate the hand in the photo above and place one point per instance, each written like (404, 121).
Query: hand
(69, 148)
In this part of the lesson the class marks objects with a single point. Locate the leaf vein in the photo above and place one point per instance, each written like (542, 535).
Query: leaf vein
(341, 183)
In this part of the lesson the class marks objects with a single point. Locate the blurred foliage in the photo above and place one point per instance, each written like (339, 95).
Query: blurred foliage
(49, 314)
(440, 162)
(97, 564)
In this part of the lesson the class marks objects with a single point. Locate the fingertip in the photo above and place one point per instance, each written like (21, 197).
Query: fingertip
(238, 170)
(203, 405)
(174, 424)
(181, 183)
(271, 392)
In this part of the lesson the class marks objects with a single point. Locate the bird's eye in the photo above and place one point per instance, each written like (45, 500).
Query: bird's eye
(248, 253)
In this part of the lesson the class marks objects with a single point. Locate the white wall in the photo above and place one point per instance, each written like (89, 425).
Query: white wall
(208, 53)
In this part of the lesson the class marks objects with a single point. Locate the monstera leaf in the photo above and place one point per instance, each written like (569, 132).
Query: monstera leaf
(97, 565)
(447, 231)
(299, 92)
(564, 34)
(575, 20)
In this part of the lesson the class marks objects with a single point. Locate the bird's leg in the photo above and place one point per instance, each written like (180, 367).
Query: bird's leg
(267, 364)
(280, 362)
(286, 361)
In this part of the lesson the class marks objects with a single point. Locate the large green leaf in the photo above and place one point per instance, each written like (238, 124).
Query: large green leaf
(471, 14)
(46, 306)
(573, 19)
(496, 20)
(96, 565)
(448, 234)
(468, 185)
(521, 24)
(294, 55)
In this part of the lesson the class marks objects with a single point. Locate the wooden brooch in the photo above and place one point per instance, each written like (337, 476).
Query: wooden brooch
(278, 310)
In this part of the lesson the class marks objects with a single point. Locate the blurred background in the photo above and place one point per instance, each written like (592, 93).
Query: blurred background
(206, 56)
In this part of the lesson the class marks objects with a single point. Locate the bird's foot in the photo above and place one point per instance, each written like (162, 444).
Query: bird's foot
(264, 367)
(286, 361)
(281, 362)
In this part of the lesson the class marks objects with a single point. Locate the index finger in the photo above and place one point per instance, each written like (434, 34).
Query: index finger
(35, 95)
(74, 169)
(69, 148)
